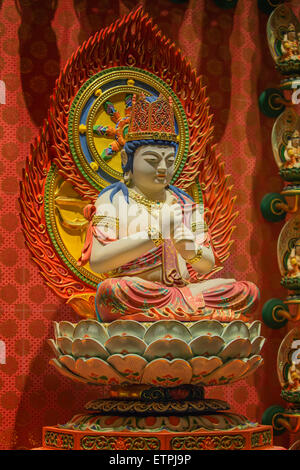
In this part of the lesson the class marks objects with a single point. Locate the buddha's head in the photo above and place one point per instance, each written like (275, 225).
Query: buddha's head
(149, 164)
(149, 154)
(291, 33)
(296, 139)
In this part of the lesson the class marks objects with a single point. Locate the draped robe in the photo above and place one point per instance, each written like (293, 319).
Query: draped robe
(125, 295)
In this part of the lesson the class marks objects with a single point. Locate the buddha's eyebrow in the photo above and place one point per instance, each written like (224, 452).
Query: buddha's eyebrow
(156, 154)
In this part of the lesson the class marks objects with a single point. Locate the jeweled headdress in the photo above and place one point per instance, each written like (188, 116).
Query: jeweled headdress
(152, 119)
(291, 28)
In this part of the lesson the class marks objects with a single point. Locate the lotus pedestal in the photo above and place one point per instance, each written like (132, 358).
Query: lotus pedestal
(157, 372)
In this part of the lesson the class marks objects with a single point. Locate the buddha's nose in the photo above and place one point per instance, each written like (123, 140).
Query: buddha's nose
(162, 167)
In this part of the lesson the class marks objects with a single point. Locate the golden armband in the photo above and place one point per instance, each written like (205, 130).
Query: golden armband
(196, 258)
(199, 226)
(110, 222)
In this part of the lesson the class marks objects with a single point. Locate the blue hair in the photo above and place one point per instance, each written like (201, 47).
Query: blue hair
(180, 193)
(115, 188)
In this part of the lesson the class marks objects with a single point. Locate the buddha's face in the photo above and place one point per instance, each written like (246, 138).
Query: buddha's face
(153, 166)
(292, 35)
(295, 142)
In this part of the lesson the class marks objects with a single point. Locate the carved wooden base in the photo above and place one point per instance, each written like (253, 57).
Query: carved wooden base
(257, 438)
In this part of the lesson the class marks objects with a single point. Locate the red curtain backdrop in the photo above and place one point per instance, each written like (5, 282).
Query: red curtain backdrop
(229, 48)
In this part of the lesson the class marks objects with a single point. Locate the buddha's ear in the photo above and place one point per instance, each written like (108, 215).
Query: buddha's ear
(124, 158)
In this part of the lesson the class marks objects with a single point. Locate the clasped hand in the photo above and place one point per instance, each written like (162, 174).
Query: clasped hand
(170, 223)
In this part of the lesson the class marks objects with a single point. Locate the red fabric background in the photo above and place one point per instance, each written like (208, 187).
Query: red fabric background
(229, 48)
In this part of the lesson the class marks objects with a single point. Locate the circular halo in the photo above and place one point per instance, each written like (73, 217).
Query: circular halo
(101, 103)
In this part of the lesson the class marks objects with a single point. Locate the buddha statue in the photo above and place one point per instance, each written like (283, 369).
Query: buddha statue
(294, 378)
(293, 263)
(148, 235)
(290, 44)
(292, 153)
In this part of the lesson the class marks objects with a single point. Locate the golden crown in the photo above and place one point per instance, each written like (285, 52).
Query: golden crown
(152, 119)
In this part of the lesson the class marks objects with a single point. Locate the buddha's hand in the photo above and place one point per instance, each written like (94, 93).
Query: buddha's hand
(168, 220)
(184, 241)
(176, 220)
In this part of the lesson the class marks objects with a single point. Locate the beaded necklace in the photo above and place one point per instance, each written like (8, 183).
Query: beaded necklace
(140, 199)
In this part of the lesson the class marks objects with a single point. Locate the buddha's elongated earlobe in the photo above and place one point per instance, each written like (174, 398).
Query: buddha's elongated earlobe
(127, 175)
(124, 158)
(127, 178)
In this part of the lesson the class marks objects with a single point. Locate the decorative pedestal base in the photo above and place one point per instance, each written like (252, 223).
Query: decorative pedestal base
(149, 418)
(258, 438)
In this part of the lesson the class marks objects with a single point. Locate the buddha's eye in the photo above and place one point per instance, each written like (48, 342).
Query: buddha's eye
(151, 159)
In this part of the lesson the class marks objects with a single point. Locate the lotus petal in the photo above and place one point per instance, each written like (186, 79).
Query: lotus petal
(203, 366)
(207, 345)
(58, 366)
(167, 329)
(88, 348)
(234, 330)
(168, 349)
(68, 362)
(206, 327)
(125, 345)
(253, 363)
(96, 370)
(257, 344)
(164, 373)
(254, 329)
(130, 366)
(54, 347)
(90, 329)
(220, 421)
(228, 372)
(237, 348)
(66, 328)
(56, 329)
(166, 423)
(65, 345)
(126, 327)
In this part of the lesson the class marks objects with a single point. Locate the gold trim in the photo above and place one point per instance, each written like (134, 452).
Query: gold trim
(291, 192)
(202, 226)
(195, 258)
(151, 135)
(291, 301)
(140, 199)
(106, 219)
(195, 193)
